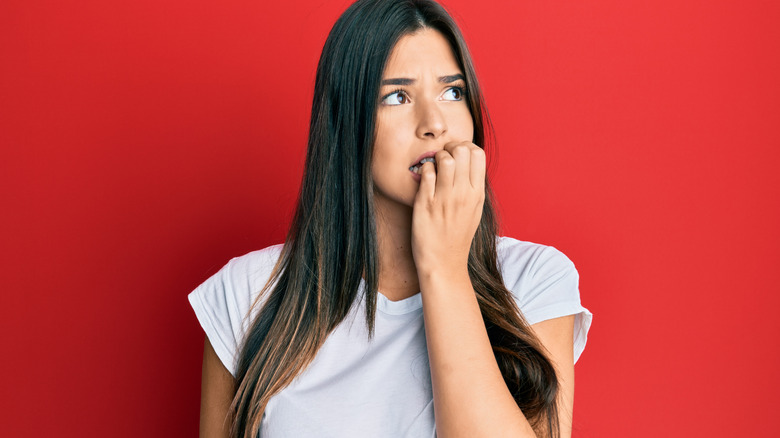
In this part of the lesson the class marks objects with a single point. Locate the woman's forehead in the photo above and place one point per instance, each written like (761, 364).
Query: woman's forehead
(426, 51)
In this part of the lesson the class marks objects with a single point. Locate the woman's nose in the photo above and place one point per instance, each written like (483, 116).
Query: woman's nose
(432, 123)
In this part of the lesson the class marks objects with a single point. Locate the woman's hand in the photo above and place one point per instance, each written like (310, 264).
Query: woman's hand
(448, 208)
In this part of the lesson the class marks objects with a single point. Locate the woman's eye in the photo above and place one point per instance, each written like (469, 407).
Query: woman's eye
(454, 93)
(396, 98)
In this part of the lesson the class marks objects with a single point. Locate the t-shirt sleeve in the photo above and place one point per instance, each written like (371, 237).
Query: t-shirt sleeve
(224, 301)
(217, 310)
(545, 285)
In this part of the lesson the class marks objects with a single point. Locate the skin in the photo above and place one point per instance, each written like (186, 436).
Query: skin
(424, 231)
(216, 394)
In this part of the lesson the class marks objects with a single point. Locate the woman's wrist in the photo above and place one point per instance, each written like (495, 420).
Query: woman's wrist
(437, 274)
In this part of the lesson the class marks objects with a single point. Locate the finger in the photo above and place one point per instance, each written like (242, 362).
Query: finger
(445, 173)
(461, 152)
(478, 168)
(427, 182)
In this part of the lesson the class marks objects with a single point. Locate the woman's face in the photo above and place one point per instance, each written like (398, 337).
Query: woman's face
(422, 106)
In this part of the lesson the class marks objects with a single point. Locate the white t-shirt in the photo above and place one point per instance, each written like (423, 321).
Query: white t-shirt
(378, 388)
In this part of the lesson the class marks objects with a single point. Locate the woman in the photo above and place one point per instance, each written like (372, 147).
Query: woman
(392, 309)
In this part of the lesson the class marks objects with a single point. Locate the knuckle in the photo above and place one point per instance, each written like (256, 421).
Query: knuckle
(446, 161)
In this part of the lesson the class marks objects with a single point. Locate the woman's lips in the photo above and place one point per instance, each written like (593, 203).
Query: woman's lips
(429, 154)
(416, 166)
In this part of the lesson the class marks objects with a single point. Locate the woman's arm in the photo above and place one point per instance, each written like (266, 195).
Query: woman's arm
(470, 396)
(217, 391)
(557, 336)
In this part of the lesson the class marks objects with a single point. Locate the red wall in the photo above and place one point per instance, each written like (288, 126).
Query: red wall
(144, 143)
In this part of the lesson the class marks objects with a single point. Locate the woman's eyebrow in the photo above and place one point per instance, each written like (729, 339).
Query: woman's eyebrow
(452, 78)
(408, 81)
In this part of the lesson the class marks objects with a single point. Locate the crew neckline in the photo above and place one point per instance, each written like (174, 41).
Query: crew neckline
(400, 307)
(390, 307)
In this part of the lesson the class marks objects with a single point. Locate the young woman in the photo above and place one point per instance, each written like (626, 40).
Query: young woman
(393, 309)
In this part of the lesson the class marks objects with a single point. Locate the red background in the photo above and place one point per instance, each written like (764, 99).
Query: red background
(144, 143)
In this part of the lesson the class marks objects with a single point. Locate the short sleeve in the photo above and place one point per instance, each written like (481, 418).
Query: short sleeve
(222, 302)
(545, 285)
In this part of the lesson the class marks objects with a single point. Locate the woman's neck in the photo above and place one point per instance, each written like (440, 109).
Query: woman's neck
(397, 272)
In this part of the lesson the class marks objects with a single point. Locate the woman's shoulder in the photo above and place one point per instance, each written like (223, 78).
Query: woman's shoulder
(255, 264)
(245, 276)
(542, 279)
(529, 258)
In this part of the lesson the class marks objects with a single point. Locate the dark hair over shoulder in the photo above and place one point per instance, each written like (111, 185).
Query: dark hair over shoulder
(331, 244)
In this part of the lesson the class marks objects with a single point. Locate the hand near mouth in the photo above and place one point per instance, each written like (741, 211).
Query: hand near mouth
(448, 208)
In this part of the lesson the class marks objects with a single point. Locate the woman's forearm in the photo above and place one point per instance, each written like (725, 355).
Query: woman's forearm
(469, 393)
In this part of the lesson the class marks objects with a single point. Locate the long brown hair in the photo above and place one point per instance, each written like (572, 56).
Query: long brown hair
(331, 244)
